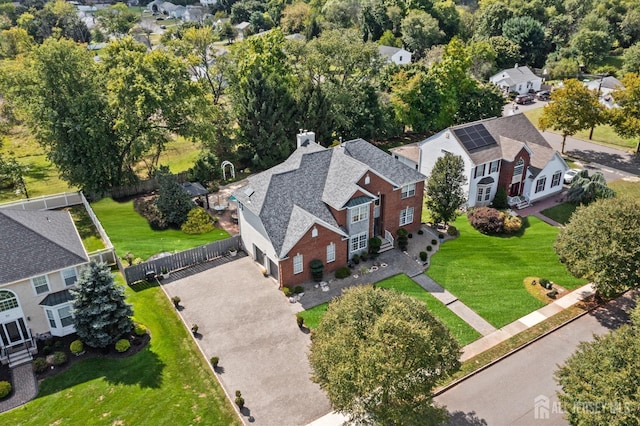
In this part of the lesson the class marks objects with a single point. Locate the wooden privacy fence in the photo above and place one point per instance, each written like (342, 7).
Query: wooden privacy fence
(180, 260)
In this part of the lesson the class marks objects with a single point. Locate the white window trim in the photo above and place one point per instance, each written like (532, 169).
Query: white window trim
(361, 242)
(406, 216)
(331, 252)
(556, 179)
(360, 213)
(497, 168)
(543, 181)
(33, 284)
(60, 316)
(64, 278)
(298, 264)
(408, 191)
(520, 164)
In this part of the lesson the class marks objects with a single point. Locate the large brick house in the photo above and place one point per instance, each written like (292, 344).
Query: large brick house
(325, 204)
(41, 254)
(506, 152)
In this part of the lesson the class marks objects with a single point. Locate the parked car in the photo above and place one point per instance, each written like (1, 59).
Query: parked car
(543, 95)
(569, 175)
(524, 99)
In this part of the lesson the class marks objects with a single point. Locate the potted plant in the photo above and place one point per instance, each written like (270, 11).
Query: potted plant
(239, 400)
(176, 301)
(265, 273)
(233, 251)
(214, 361)
(165, 272)
(355, 258)
(194, 329)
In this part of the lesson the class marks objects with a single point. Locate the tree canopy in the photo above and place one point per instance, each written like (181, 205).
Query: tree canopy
(599, 381)
(600, 244)
(626, 119)
(100, 314)
(445, 194)
(378, 354)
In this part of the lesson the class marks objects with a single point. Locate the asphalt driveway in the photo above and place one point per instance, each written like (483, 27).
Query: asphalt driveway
(250, 325)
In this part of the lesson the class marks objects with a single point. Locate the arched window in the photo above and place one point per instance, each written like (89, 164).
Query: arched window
(8, 300)
(519, 168)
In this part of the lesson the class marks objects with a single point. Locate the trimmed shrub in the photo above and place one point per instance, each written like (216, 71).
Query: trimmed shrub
(410, 235)
(512, 224)
(429, 248)
(59, 358)
(486, 220)
(298, 289)
(140, 329)
(546, 283)
(58, 344)
(420, 232)
(441, 236)
(316, 267)
(374, 246)
(500, 200)
(402, 232)
(342, 272)
(176, 301)
(287, 291)
(355, 258)
(364, 256)
(40, 365)
(434, 242)
(47, 350)
(214, 361)
(76, 347)
(147, 208)
(198, 222)
(122, 345)
(423, 256)
(300, 320)
(452, 231)
(5, 389)
(240, 402)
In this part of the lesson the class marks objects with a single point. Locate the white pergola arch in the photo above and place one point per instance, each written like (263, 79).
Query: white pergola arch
(224, 164)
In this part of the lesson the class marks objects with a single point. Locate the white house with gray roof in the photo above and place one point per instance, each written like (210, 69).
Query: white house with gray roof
(518, 79)
(505, 152)
(325, 204)
(41, 254)
(397, 55)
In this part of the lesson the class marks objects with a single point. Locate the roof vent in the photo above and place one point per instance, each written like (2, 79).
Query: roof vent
(248, 191)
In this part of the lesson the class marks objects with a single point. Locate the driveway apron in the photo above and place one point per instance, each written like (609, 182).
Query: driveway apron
(244, 320)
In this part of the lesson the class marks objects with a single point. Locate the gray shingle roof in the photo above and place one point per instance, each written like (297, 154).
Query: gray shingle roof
(57, 298)
(33, 243)
(292, 196)
(516, 75)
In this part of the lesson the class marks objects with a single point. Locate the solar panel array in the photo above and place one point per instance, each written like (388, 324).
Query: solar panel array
(474, 137)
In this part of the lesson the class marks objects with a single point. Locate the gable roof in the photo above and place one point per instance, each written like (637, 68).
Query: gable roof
(298, 193)
(33, 243)
(389, 51)
(517, 75)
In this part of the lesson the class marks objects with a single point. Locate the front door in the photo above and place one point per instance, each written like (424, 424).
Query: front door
(514, 189)
(13, 332)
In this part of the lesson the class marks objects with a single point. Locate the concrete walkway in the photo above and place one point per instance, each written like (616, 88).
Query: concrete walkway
(25, 387)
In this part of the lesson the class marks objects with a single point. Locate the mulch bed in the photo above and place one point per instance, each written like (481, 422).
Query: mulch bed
(137, 344)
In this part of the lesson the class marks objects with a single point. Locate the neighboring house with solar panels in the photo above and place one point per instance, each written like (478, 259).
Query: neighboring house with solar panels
(41, 254)
(506, 152)
(326, 204)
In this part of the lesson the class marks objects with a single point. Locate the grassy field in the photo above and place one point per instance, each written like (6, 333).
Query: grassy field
(402, 283)
(604, 134)
(486, 272)
(561, 213)
(168, 383)
(130, 232)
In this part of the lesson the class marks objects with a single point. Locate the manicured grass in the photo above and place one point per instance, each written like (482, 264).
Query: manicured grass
(626, 188)
(603, 134)
(130, 232)
(486, 272)
(561, 213)
(461, 330)
(168, 383)
(87, 230)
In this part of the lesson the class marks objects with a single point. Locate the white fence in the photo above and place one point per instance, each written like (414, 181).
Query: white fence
(46, 202)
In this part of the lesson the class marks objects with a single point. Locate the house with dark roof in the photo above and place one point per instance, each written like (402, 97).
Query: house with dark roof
(517, 79)
(505, 152)
(326, 204)
(41, 253)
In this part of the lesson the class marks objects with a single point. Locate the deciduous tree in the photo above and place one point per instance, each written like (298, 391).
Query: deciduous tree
(378, 354)
(599, 381)
(173, 202)
(573, 107)
(626, 119)
(529, 35)
(100, 314)
(600, 244)
(117, 19)
(444, 189)
(420, 31)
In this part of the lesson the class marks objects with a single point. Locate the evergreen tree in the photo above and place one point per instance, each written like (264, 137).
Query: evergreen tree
(101, 315)
(173, 202)
(444, 188)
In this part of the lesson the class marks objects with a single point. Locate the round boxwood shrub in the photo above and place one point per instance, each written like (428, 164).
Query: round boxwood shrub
(512, 224)
(423, 256)
(214, 361)
(316, 266)
(343, 272)
(40, 365)
(298, 289)
(76, 347)
(287, 291)
(122, 345)
(58, 358)
(5, 389)
(420, 232)
(434, 242)
(47, 350)
(198, 222)
(429, 248)
(452, 231)
(140, 330)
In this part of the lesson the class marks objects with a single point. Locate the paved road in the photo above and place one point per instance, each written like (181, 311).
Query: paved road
(506, 393)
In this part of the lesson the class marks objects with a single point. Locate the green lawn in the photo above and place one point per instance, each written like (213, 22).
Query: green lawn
(625, 188)
(87, 230)
(561, 213)
(604, 134)
(486, 272)
(168, 383)
(130, 232)
(402, 283)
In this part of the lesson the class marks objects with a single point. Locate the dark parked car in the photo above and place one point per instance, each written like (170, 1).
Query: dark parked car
(543, 95)
(524, 99)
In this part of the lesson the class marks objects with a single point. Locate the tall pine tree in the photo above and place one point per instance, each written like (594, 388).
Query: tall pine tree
(101, 315)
